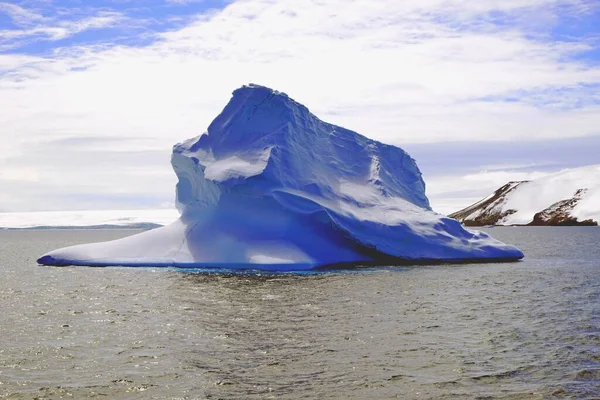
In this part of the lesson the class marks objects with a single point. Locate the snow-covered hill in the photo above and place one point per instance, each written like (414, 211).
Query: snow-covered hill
(569, 197)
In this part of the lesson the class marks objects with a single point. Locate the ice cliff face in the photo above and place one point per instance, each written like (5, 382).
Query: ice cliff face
(272, 186)
(569, 197)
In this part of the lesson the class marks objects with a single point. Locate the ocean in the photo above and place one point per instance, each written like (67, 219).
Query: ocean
(523, 330)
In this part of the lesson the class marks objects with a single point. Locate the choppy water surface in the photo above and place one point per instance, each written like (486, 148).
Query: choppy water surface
(521, 330)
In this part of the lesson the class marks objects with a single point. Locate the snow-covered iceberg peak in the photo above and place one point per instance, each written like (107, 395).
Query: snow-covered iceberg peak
(271, 186)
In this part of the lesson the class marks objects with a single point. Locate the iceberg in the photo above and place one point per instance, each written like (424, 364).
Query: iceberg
(270, 186)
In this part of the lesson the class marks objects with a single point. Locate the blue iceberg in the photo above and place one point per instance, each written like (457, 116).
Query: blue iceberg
(271, 186)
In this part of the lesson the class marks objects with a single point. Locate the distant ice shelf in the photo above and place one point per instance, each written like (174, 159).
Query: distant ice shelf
(270, 186)
(87, 219)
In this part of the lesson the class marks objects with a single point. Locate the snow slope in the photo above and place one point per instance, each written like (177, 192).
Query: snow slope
(568, 197)
(271, 186)
(84, 219)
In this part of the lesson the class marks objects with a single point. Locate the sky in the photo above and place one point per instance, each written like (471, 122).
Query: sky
(94, 94)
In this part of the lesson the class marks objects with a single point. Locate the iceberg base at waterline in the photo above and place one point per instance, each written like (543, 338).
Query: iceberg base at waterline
(272, 240)
(272, 187)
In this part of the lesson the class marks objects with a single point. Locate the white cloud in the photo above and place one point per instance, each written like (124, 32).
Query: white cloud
(36, 27)
(20, 15)
(183, 2)
(398, 71)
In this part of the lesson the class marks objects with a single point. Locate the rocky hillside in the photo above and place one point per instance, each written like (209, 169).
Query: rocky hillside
(569, 197)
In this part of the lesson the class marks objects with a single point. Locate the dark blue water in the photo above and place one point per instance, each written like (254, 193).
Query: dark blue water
(518, 331)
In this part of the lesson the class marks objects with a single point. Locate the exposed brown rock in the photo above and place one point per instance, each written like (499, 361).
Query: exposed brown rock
(487, 210)
(487, 219)
(559, 213)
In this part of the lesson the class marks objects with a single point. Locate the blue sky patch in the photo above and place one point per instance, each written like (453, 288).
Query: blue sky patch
(39, 27)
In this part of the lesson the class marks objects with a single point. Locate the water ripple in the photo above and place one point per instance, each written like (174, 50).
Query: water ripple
(527, 330)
